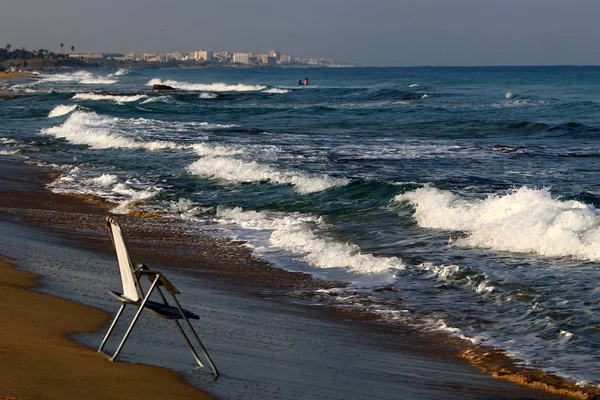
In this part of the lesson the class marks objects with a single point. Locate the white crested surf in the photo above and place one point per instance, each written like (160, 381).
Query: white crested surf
(524, 220)
(456, 200)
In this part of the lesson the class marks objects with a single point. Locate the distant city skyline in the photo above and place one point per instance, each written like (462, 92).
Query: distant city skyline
(377, 32)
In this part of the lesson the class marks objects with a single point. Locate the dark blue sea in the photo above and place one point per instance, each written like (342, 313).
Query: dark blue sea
(456, 200)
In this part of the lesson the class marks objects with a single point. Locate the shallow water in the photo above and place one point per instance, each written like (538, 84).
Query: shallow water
(454, 199)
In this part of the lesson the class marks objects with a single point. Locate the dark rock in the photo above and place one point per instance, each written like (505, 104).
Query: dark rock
(162, 87)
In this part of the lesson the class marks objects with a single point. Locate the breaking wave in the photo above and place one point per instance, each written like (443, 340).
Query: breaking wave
(83, 77)
(525, 220)
(296, 232)
(61, 110)
(101, 132)
(235, 170)
(108, 97)
(213, 87)
(125, 193)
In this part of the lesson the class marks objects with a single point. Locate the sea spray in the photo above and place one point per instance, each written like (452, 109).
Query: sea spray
(212, 87)
(82, 77)
(296, 232)
(524, 220)
(110, 187)
(61, 110)
(101, 132)
(108, 97)
(237, 171)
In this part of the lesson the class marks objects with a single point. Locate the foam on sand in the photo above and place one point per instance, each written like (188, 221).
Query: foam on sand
(524, 220)
(236, 170)
(125, 193)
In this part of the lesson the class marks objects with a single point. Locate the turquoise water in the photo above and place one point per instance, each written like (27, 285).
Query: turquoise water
(460, 200)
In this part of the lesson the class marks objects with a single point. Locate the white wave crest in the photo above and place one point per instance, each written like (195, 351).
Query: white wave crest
(108, 97)
(208, 95)
(4, 140)
(106, 186)
(101, 132)
(293, 232)
(276, 90)
(121, 72)
(9, 152)
(526, 220)
(205, 149)
(61, 110)
(83, 77)
(235, 170)
(164, 99)
(213, 87)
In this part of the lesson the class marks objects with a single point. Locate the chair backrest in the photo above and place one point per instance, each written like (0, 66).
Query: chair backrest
(131, 288)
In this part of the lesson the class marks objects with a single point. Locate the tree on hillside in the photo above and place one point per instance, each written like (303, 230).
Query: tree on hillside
(8, 46)
(61, 46)
(72, 49)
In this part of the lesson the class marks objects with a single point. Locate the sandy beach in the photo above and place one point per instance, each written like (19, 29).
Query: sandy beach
(42, 363)
(264, 348)
(5, 76)
(13, 75)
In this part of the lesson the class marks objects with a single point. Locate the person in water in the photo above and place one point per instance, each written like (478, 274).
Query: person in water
(300, 82)
(305, 81)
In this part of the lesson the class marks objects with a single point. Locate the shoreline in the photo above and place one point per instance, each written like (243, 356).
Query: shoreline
(73, 213)
(60, 367)
(14, 75)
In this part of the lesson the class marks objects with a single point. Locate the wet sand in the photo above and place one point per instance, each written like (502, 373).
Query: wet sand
(13, 75)
(278, 350)
(5, 76)
(38, 361)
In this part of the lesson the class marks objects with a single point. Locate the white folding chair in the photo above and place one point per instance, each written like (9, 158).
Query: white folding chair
(134, 295)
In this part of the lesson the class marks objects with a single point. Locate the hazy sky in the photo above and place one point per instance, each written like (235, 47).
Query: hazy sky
(368, 32)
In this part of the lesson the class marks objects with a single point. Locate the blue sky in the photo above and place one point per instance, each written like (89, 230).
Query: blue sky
(368, 32)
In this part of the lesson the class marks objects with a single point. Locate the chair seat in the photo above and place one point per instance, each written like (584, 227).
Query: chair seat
(160, 309)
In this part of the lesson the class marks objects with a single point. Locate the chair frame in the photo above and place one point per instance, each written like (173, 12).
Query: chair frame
(142, 301)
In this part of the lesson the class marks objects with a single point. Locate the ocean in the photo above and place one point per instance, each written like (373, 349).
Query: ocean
(460, 201)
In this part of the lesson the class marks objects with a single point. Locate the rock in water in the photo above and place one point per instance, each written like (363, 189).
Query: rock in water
(162, 87)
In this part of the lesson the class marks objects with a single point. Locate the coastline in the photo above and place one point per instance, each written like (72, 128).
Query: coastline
(6, 76)
(79, 220)
(13, 75)
(43, 363)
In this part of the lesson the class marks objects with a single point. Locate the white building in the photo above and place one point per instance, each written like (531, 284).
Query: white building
(242, 58)
(203, 55)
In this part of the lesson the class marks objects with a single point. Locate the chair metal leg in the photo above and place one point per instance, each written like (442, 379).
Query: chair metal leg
(112, 326)
(210, 362)
(135, 318)
(189, 344)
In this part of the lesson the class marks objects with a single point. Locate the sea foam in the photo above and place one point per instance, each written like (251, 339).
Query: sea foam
(106, 186)
(61, 110)
(525, 220)
(108, 97)
(213, 87)
(295, 232)
(82, 77)
(101, 132)
(236, 170)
